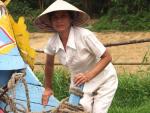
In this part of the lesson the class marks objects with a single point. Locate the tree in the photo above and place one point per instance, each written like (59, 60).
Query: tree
(41, 4)
(96, 7)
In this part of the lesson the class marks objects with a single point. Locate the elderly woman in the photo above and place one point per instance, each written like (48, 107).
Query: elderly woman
(88, 61)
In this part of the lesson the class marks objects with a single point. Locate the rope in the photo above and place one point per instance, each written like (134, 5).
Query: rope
(8, 100)
(2, 93)
(15, 77)
(11, 84)
(76, 91)
(66, 107)
(27, 95)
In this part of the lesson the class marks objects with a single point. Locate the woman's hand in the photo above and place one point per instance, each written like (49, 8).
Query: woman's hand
(81, 78)
(45, 97)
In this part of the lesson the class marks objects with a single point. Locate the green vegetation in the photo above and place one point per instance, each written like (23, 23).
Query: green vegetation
(122, 15)
(125, 15)
(128, 22)
(24, 8)
(60, 82)
(132, 95)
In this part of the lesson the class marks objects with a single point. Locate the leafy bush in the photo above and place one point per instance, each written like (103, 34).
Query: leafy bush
(24, 8)
(129, 22)
(125, 15)
(130, 6)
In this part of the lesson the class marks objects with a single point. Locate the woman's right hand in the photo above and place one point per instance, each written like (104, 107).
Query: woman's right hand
(45, 97)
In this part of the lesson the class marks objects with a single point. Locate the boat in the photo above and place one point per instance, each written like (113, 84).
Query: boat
(16, 60)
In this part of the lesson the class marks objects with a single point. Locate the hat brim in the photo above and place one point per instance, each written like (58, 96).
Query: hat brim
(43, 23)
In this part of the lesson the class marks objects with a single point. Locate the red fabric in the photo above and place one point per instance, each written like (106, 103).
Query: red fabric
(1, 111)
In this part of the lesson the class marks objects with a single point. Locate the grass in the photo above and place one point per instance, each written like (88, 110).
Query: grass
(60, 82)
(132, 95)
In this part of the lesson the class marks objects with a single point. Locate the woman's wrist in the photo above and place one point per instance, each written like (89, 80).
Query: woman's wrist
(48, 88)
(89, 75)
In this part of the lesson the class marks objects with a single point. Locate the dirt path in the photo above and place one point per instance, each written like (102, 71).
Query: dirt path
(127, 53)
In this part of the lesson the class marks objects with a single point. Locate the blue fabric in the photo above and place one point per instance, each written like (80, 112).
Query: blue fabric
(31, 77)
(74, 99)
(11, 61)
(35, 92)
(4, 37)
(4, 77)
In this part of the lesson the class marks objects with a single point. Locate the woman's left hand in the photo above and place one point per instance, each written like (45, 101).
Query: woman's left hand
(81, 78)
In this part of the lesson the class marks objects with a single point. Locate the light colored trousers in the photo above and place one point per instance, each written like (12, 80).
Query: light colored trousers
(100, 102)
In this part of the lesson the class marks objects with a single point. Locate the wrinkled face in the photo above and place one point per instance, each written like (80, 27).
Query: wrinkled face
(61, 21)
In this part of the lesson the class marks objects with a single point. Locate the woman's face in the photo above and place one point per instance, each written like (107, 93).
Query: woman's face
(61, 21)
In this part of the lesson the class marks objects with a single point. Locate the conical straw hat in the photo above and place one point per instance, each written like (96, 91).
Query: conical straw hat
(43, 22)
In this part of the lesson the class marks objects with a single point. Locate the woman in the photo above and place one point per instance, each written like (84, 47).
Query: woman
(88, 61)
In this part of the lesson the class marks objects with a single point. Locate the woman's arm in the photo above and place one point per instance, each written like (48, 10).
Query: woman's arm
(49, 67)
(81, 78)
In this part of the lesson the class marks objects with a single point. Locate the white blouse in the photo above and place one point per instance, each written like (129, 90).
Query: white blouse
(83, 50)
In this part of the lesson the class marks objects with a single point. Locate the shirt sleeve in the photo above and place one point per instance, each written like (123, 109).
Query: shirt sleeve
(94, 45)
(49, 48)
